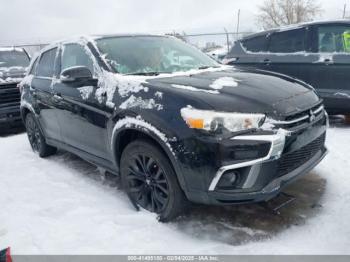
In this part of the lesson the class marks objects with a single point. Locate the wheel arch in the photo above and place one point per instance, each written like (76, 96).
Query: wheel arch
(127, 133)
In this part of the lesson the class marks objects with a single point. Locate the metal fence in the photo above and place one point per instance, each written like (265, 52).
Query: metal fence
(207, 40)
(204, 41)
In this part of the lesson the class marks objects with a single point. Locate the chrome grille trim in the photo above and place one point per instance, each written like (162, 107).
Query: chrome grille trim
(299, 119)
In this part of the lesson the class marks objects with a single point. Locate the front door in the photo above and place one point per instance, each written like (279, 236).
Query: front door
(82, 118)
(331, 71)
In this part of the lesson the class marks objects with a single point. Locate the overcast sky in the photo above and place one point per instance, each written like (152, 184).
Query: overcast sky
(24, 21)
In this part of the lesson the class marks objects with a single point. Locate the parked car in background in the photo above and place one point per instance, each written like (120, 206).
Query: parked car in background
(194, 130)
(13, 64)
(317, 53)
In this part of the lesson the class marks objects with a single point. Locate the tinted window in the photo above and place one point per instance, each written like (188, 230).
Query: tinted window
(75, 55)
(334, 39)
(10, 58)
(288, 42)
(256, 44)
(46, 66)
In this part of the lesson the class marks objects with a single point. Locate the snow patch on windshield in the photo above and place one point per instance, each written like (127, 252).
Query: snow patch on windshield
(140, 123)
(133, 101)
(224, 81)
(194, 89)
(86, 91)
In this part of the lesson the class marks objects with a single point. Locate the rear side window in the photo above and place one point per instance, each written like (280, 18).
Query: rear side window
(290, 41)
(75, 55)
(334, 38)
(256, 44)
(46, 66)
(32, 70)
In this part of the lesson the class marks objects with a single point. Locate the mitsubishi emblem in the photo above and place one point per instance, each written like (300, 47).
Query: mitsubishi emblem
(312, 116)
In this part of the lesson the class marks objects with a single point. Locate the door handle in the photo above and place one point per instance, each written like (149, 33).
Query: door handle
(328, 61)
(266, 61)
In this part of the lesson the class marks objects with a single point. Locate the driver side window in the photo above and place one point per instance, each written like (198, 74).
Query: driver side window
(75, 55)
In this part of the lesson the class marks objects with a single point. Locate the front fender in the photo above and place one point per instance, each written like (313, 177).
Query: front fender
(163, 140)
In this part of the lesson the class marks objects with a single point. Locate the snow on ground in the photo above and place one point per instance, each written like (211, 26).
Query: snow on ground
(61, 205)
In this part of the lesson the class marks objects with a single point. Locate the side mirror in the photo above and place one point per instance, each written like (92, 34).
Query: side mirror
(76, 74)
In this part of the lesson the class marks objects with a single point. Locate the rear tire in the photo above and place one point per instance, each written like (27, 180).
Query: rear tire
(150, 181)
(36, 138)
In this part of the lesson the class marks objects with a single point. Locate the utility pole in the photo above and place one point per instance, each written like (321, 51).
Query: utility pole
(344, 11)
(238, 18)
(227, 40)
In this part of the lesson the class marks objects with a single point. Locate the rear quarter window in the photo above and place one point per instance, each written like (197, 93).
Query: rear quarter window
(256, 44)
(290, 41)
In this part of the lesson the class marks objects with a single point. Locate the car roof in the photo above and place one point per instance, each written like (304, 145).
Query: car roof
(296, 26)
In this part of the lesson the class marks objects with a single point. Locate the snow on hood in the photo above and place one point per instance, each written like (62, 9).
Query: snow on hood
(195, 89)
(12, 74)
(127, 86)
(224, 81)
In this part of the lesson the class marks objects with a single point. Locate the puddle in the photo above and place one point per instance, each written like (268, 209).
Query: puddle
(236, 225)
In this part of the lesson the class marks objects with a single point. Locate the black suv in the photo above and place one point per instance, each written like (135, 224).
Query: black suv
(317, 53)
(13, 63)
(171, 121)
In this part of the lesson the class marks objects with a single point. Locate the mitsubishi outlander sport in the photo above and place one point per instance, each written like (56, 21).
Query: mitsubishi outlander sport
(172, 122)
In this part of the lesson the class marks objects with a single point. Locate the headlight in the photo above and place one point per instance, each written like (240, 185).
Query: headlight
(211, 120)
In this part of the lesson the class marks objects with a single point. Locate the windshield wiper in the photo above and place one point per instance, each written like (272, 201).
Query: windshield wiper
(145, 73)
(206, 67)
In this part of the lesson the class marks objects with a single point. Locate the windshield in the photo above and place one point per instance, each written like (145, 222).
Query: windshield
(152, 55)
(13, 58)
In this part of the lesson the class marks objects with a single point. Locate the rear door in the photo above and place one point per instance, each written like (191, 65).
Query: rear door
(41, 91)
(82, 118)
(287, 53)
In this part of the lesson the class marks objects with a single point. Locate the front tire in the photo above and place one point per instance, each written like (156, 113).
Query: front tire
(150, 181)
(36, 138)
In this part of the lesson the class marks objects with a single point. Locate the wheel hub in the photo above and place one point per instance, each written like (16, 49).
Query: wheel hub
(147, 183)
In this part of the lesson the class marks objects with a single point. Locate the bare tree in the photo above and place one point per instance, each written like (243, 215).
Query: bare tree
(275, 13)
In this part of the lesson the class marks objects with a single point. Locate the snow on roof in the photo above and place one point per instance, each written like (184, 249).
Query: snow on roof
(296, 26)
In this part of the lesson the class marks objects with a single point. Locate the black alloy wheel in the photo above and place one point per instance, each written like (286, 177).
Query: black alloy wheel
(36, 138)
(147, 183)
(150, 181)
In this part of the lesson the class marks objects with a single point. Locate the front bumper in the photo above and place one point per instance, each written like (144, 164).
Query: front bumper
(265, 162)
(10, 117)
(272, 189)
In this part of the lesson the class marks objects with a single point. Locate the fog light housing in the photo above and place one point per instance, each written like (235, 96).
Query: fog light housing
(229, 179)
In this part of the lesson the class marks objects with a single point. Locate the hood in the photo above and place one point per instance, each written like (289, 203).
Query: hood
(12, 74)
(246, 91)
